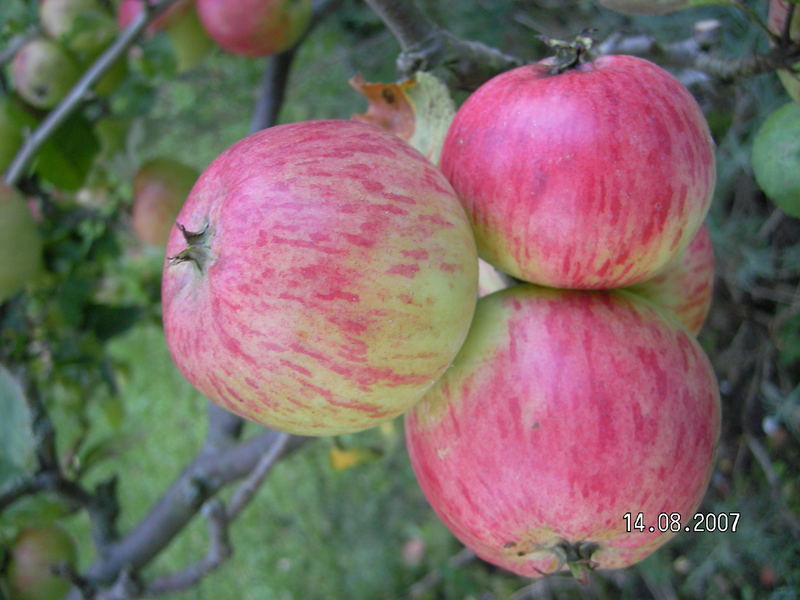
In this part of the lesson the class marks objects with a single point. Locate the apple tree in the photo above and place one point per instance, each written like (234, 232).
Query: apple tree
(603, 438)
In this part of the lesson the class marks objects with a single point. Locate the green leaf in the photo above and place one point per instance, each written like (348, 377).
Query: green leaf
(108, 321)
(16, 436)
(66, 157)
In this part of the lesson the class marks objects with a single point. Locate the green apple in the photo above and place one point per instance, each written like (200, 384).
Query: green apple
(20, 243)
(189, 40)
(32, 555)
(83, 26)
(776, 158)
(43, 72)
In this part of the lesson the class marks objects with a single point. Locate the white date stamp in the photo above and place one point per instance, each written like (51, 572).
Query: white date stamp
(673, 522)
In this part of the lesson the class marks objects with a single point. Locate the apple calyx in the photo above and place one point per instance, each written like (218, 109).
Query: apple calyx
(198, 250)
(576, 556)
(570, 54)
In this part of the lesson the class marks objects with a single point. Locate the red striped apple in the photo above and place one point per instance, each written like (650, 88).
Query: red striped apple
(329, 279)
(564, 411)
(686, 286)
(593, 178)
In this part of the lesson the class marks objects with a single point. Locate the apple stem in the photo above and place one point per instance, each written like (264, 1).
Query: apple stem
(197, 251)
(579, 559)
(570, 54)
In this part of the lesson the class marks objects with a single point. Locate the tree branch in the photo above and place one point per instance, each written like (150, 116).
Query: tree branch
(426, 47)
(219, 550)
(76, 95)
(273, 90)
(199, 482)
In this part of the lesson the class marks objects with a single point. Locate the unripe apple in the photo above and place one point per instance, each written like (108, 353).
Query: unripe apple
(32, 555)
(83, 26)
(20, 243)
(647, 7)
(325, 278)
(593, 178)
(776, 19)
(686, 285)
(776, 158)
(160, 188)
(189, 40)
(563, 411)
(43, 73)
(255, 27)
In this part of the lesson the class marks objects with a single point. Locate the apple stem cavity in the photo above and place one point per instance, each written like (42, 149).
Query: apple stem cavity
(198, 250)
(570, 54)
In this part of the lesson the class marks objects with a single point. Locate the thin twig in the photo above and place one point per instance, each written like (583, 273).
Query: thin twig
(432, 579)
(76, 95)
(248, 488)
(219, 550)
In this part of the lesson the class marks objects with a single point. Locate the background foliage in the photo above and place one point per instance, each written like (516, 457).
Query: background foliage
(366, 531)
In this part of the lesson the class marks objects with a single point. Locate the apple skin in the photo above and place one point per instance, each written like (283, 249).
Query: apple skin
(646, 7)
(594, 178)
(685, 287)
(33, 552)
(255, 27)
(43, 73)
(95, 32)
(563, 411)
(339, 278)
(776, 20)
(160, 188)
(20, 243)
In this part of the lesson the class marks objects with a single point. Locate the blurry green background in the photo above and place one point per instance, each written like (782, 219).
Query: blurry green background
(365, 532)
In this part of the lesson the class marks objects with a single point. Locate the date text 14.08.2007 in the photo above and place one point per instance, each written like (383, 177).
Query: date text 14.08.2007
(675, 522)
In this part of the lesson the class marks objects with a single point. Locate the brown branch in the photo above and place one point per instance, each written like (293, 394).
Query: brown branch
(426, 47)
(248, 488)
(693, 53)
(219, 550)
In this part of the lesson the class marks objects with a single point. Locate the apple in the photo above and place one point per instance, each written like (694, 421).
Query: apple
(593, 178)
(776, 20)
(776, 158)
(649, 7)
(83, 26)
(190, 42)
(565, 410)
(43, 72)
(20, 243)
(325, 277)
(160, 188)
(686, 285)
(129, 9)
(34, 551)
(255, 27)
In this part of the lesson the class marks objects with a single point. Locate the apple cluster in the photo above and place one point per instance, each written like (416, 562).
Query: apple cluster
(322, 278)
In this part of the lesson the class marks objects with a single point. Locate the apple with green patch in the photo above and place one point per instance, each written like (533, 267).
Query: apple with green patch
(321, 278)
(563, 411)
